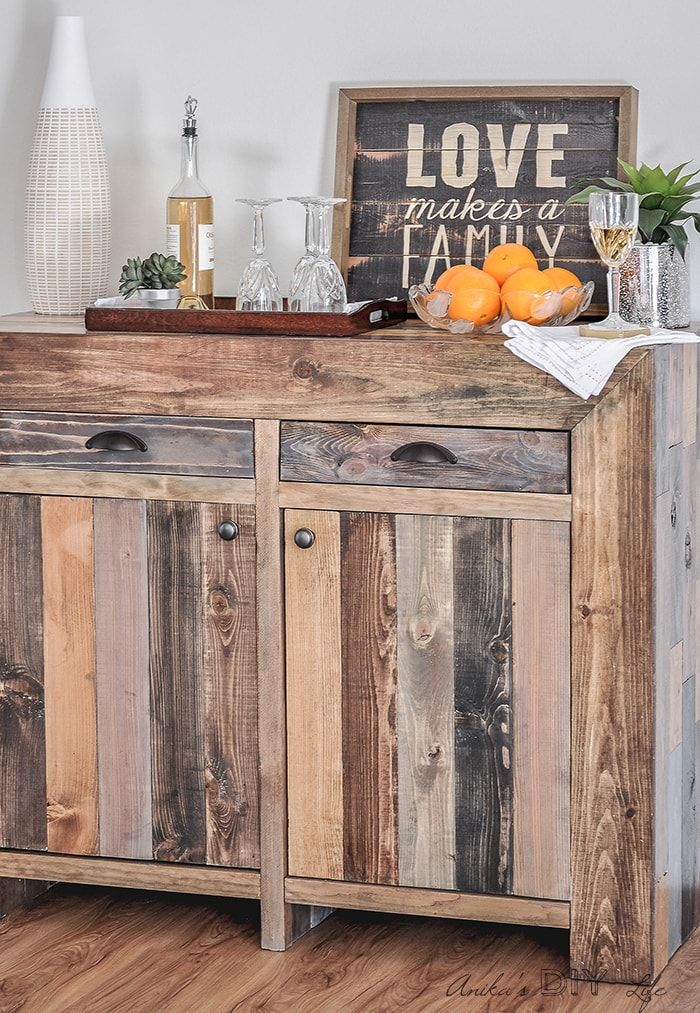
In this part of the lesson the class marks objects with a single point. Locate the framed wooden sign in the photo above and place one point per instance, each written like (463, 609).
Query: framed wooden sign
(438, 176)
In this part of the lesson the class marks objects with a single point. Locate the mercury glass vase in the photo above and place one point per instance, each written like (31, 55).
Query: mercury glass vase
(68, 215)
(655, 286)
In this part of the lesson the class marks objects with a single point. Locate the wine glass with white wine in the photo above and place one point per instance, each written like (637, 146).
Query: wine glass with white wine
(613, 218)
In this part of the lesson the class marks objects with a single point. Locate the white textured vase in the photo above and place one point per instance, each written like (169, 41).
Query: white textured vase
(68, 215)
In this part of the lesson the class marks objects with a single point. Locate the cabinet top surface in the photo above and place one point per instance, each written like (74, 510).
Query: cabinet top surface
(407, 373)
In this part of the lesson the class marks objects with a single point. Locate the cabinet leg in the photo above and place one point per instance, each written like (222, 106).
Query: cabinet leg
(281, 923)
(17, 894)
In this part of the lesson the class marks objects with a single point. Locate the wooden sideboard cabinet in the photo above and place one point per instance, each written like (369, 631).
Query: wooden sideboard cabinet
(394, 623)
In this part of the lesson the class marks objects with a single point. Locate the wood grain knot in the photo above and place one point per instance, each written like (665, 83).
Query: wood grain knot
(674, 514)
(631, 813)
(499, 650)
(21, 693)
(688, 550)
(434, 752)
(305, 369)
(584, 611)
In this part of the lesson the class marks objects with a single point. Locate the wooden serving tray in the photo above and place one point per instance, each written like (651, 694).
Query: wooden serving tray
(226, 319)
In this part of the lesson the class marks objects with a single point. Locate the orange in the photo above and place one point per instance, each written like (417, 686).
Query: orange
(521, 294)
(506, 259)
(465, 276)
(561, 279)
(479, 306)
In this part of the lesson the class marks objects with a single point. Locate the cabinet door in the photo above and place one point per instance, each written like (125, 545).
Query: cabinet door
(428, 701)
(128, 691)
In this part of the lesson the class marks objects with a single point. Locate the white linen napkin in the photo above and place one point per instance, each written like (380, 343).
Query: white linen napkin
(584, 365)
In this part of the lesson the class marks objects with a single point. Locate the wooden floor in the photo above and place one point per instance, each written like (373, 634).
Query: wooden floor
(88, 950)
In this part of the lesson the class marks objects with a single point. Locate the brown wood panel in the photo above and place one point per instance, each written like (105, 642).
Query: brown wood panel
(426, 700)
(22, 750)
(54, 482)
(503, 459)
(541, 675)
(276, 928)
(133, 875)
(123, 698)
(177, 755)
(433, 903)
(534, 505)
(411, 371)
(483, 719)
(69, 675)
(369, 662)
(179, 446)
(612, 684)
(230, 688)
(314, 696)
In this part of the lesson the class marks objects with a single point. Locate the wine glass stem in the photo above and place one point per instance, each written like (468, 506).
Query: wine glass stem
(614, 290)
(324, 239)
(258, 233)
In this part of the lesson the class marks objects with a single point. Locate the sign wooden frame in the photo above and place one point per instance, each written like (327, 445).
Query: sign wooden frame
(352, 99)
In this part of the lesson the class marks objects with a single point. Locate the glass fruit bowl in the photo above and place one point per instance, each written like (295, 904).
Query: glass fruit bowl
(548, 308)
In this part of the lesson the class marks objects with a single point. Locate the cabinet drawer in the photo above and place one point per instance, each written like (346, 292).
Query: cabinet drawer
(183, 446)
(510, 460)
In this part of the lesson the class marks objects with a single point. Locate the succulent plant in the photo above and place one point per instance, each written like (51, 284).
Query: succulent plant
(160, 271)
(132, 277)
(157, 271)
(664, 200)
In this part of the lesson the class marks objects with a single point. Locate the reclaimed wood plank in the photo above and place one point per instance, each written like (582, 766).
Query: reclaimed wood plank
(428, 379)
(613, 487)
(69, 675)
(458, 502)
(276, 916)
(177, 750)
(506, 460)
(541, 705)
(483, 719)
(22, 727)
(123, 697)
(230, 688)
(54, 482)
(674, 815)
(215, 447)
(431, 903)
(314, 674)
(133, 874)
(689, 765)
(369, 710)
(426, 702)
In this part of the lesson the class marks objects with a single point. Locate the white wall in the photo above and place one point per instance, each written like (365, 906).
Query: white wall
(267, 73)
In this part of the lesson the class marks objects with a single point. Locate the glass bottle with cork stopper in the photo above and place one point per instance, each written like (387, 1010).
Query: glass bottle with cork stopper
(190, 218)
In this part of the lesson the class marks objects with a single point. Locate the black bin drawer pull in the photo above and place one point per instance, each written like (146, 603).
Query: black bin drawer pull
(116, 439)
(424, 453)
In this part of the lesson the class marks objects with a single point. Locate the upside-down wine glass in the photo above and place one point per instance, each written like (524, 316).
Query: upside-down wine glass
(613, 219)
(259, 287)
(317, 285)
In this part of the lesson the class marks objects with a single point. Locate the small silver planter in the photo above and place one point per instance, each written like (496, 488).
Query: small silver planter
(158, 298)
(655, 286)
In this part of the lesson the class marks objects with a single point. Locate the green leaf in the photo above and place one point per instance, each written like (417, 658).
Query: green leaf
(674, 173)
(629, 171)
(677, 235)
(649, 220)
(582, 196)
(653, 181)
(696, 219)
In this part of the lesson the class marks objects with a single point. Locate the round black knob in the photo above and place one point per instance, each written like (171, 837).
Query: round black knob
(229, 530)
(304, 538)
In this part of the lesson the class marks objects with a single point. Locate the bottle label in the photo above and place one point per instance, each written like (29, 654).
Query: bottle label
(206, 248)
(172, 241)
